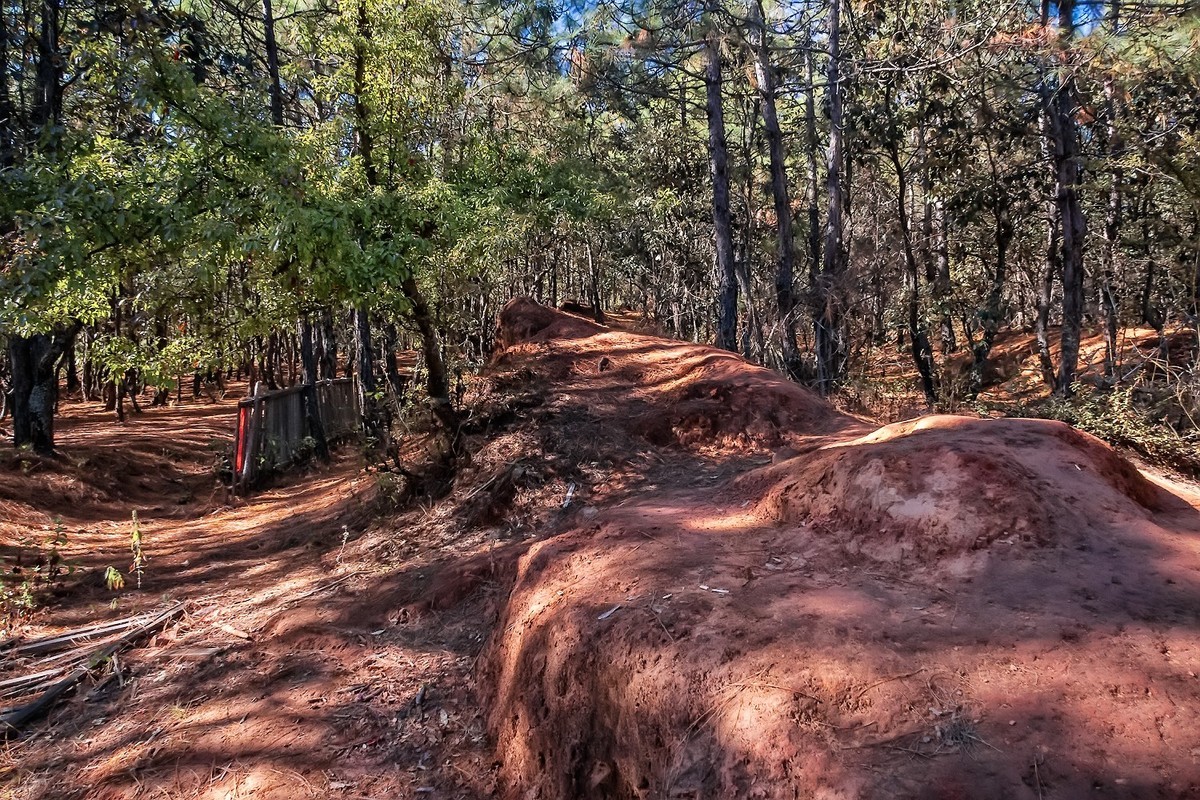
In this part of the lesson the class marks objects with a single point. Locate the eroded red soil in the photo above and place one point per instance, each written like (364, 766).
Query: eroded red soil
(662, 573)
(949, 607)
(295, 671)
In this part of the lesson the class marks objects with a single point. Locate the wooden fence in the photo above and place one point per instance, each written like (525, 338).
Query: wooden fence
(273, 431)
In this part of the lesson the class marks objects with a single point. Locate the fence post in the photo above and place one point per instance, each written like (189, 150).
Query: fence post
(250, 468)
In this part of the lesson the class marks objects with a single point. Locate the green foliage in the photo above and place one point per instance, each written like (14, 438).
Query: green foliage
(1120, 418)
(40, 566)
(113, 579)
(135, 547)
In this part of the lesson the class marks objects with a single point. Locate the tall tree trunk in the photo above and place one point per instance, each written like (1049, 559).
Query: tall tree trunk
(89, 369)
(391, 366)
(46, 111)
(437, 380)
(1108, 297)
(1149, 313)
(8, 116)
(275, 88)
(273, 372)
(785, 301)
(934, 249)
(991, 315)
(33, 360)
(942, 285)
(329, 348)
(73, 384)
(365, 360)
(312, 409)
(922, 351)
(829, 323)
(1074, 223)
(162, 392)
(1045, 293)
(813, 189)
(1112, 217)
(594, 284)
(1053, 254)
(718, 152)
(366, 142)
(1195, 298)
(753, 344)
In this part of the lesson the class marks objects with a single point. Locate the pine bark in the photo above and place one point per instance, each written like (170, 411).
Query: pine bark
(718, 151)
(829, 322)
(785, 301)
(34, 361)
(1071, 215)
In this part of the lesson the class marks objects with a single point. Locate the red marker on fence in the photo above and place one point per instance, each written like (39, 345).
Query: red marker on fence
(239, 458)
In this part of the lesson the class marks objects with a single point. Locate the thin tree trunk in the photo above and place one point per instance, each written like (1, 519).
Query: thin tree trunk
(1112, 218)
(312, 410)
(942, 285)
(813, 189)
(991, 314)
(752, 341)
(718, 151)
(922, 351)
(1053, 260)
(8, 117)
(829, 323)
(391, 366)
(89, 369)
(437, 381)
(1195, 299)
(1149, 314)
(365, 357)
(1074, 223)
(594, 284)
(785, 301)
(1045, 293)
(73, 384)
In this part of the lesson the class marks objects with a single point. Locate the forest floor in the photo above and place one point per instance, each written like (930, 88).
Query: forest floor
(663, 573)
(293, 672)
(887, 387)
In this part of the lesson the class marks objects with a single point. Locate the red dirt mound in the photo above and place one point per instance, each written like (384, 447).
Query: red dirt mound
(941, 488)
(523, 320)
(665, 391)
(945, 608)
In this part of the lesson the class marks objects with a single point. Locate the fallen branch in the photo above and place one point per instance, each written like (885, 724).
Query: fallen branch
(887, 680)
(232, 631)
(52, 643)
(13, 720)
(21, 685)
(327, 586)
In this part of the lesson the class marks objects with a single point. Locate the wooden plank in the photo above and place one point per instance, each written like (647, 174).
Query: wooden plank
(14, 687)
(63, 640)
(13, 720)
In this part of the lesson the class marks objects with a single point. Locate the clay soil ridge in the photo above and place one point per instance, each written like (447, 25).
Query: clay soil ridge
(661, 572)
(794, 603)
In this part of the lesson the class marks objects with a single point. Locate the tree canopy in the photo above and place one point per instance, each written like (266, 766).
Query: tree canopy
(183, 182)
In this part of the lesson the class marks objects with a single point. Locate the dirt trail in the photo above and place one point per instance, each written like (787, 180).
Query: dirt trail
(661, 573)
(292, 675)
(945, 608)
